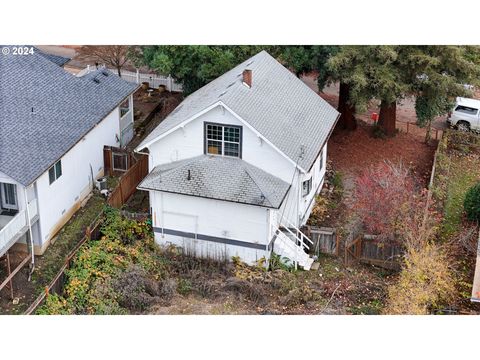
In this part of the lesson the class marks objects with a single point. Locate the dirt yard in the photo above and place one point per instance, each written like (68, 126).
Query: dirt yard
(351, 152)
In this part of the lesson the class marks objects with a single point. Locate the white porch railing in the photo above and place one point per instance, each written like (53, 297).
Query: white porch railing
(286, 225)
(16, 226)
(137, 77)
(293, 244)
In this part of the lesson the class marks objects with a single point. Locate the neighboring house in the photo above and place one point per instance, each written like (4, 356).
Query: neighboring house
(235, 168)
(53, 127)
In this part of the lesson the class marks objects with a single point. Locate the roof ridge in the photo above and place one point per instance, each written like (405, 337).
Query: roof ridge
(254, 181)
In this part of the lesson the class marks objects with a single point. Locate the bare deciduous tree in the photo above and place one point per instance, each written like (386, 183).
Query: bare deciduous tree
(113, 55)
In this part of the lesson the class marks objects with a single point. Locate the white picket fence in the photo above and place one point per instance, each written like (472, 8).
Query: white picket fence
(137, 77)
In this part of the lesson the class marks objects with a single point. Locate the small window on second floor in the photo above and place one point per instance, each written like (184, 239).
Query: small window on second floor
(55, 171)
(306, 187)
(223, 139)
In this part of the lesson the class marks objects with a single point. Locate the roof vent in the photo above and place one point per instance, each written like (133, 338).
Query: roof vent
(189, 175)
(105, 73)
(247, 77)
(95, 80)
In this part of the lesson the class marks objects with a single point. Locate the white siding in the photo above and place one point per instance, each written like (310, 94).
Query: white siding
(188, 142)
(85, 159)
(215, 218)
(224, 219)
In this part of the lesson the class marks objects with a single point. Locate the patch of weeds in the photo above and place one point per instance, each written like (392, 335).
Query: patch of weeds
(278, 262)
(112, 182)
(373, 307)
(184, 286)
(54, 257)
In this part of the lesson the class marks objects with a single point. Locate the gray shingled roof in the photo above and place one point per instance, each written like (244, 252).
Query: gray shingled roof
(44, 111)
(220, 178)
(56, 59)
(278, 105)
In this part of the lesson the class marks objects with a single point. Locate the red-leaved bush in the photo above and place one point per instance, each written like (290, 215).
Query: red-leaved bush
(384, 194)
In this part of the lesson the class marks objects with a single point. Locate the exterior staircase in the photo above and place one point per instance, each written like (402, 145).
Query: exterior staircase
(291, 243)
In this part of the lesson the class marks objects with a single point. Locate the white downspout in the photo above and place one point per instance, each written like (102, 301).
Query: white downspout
(29, 227)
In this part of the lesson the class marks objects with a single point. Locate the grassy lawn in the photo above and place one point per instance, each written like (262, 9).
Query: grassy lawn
(458, 169)
(464, 173)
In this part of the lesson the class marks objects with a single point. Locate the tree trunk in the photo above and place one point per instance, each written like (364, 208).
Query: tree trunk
(347, 119)
(428, 131)
(119, 68)
(388, 117)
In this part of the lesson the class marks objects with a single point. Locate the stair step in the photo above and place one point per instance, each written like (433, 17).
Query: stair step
(315, 266)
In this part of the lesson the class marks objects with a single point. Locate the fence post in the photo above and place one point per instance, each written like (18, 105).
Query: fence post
(137, 77)
(169, 83)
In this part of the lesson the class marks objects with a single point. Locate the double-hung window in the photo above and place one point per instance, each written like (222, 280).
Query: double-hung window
(306, 187)
(55, 171)
(223, 140)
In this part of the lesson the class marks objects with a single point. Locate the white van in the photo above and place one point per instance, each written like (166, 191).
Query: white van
(465, 115)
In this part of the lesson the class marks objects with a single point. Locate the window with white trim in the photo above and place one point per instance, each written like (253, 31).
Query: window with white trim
(223, 140)
(306, 187)
(55, 171)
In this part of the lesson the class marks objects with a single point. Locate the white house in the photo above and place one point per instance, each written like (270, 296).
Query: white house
(53, 127)
(235, 168)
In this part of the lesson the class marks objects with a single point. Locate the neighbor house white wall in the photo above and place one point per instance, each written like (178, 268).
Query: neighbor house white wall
(58, 201)
(4, 178)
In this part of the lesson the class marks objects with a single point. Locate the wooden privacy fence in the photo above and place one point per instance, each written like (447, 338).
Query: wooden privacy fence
(325, 240)
(117, 161)
(58, 282)
(128, 183)
(369, 251)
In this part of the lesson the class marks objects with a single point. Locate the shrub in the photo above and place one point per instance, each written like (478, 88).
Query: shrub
(383, 194)
(471, 203)
(254, 292)
(425, 282)
(184, 286)
(131, 287)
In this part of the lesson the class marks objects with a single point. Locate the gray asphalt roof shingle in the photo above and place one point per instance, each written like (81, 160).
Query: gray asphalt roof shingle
(218, 177)
(45, 111)
(56, 59)
(278, 105)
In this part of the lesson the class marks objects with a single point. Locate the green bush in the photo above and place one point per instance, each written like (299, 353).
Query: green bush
(471, 203)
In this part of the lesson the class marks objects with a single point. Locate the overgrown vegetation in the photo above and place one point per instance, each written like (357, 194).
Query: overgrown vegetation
(471, 203)
(125, 273)
(108, 272)
(329, 200)
(54, 258)
(457, 171)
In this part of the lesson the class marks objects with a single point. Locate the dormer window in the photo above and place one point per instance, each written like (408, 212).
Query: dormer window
(223, 140)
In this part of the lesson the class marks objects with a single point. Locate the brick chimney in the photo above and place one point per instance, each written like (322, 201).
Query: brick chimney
(247, 77)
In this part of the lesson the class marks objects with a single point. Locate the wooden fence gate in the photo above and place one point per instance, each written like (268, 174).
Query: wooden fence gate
(370, 251)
